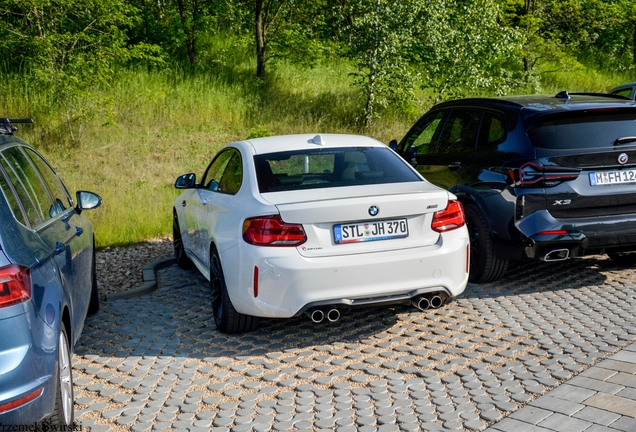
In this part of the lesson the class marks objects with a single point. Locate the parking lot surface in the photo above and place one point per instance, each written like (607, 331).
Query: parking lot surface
(488, 360)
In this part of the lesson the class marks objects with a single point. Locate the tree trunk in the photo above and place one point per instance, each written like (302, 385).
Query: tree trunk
(190, 32)
(261, 43)
(372, 68)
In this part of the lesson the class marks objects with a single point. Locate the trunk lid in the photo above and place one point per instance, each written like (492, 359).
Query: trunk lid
(320, 210)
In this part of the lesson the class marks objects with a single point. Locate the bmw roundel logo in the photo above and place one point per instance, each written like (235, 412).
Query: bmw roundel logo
(374, 210)
(623, 158)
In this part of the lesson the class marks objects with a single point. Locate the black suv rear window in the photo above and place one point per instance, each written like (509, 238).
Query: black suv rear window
(331, 167)
(588, 129)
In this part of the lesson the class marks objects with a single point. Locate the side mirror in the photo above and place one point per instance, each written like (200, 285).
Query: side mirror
(393, 145)
(186, 181)
(87, 200)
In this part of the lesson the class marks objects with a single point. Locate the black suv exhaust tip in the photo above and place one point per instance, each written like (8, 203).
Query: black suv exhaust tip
(556, 255)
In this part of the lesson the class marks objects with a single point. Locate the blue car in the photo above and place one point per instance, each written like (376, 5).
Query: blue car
(47, 284)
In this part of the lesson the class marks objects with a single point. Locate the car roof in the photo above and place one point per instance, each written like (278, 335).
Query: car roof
(282, 143)
(531, 107)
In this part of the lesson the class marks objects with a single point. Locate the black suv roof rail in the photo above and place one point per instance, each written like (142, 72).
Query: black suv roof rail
(606, 95)
(7, 127)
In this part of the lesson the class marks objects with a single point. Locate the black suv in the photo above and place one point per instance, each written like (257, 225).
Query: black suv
(540, 177)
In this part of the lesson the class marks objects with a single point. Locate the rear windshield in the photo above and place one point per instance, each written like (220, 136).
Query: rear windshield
(332, 167)
(591, 129)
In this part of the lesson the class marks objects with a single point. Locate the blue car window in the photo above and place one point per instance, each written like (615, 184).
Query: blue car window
(31, 182)
(27, 204)
(14, 204)
(55, 186)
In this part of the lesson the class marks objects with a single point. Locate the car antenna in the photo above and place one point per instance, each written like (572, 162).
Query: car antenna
(7, 127)
(563, 95)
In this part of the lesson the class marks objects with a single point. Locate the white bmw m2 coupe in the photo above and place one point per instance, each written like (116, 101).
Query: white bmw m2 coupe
(287, 225)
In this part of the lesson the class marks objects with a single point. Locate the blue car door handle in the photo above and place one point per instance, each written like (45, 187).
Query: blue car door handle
(79, 231)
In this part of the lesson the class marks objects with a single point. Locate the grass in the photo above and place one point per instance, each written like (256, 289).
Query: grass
(170, 123)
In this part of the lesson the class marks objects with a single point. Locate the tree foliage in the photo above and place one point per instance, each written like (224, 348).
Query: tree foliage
(68, 47)
(449, 48)
(381, 34)
(463, 49)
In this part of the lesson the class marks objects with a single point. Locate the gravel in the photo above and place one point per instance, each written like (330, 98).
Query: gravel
(120, 268)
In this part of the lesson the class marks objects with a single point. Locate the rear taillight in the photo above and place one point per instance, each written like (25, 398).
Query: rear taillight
(272, 231)
(15, 285)
(452, 217)
(21, 401)
(553, 232)
(533, 174)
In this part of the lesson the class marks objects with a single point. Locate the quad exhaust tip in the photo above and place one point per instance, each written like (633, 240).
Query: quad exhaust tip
(333, 315)
(428, 301)
(318, 315)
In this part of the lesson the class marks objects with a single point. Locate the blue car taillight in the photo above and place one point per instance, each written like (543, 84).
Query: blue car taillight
(15, 285)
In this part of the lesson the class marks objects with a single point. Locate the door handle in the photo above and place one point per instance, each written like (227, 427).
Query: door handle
(59, 248)
(183, 203)
(79, 231)
(454, 166)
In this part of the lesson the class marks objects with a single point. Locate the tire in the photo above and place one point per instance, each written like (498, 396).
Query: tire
(227, 319)
(623, 259)
(179, 252)
(93, 303)
(485, 266)
(63, 414)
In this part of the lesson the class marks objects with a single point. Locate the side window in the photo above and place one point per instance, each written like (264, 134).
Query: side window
(233, 175)
(461, 125)
(57, 190)
(425, 134)
(491, 131)
(624, 92)
(16, 209)
(26, 175)
(213, 173)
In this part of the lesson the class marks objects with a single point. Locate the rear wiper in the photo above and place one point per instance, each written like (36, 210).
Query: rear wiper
(625, 140)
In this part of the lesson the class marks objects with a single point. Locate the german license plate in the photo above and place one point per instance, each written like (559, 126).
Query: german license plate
(370, 231)
(612, 177)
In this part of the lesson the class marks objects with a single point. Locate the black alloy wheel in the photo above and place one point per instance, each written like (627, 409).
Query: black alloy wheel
(227, 319)
(177, 242)
(485, 266)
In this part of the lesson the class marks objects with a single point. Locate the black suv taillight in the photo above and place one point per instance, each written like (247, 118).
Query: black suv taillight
(533, 174)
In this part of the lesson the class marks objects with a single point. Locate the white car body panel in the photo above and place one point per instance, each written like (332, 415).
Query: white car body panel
(293, 278)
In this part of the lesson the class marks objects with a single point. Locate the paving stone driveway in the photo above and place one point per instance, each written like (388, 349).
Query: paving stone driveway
(157, 362)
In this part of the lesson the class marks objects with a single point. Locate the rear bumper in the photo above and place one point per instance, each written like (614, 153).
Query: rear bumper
(27, 367)
(584, 236)
(289, 283)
